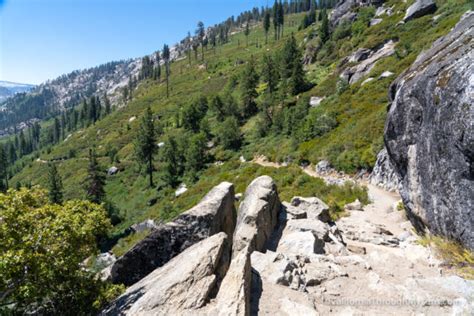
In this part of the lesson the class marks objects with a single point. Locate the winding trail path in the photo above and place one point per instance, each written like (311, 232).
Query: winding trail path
(386, 270)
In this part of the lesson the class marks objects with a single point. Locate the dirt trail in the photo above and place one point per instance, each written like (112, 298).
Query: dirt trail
(381, 270)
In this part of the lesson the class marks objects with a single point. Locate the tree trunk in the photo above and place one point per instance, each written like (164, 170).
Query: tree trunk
(150, 170)
(167, 80)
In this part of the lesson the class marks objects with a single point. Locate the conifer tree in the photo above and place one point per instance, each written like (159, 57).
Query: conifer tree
(247, 32)
(56, 132)
(266, 24)
(324, 29)
(281, 18)
(200, 33)
(249, 82)
(95, 180)
(55, 185)
(3, 169)
(195, 155)
(145, 143)
(166, 58)
(270, 73)
(157, 72)
(107, 107)
(275, 19)
(170, 161)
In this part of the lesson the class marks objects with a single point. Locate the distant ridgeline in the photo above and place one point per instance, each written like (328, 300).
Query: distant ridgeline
(77, 99)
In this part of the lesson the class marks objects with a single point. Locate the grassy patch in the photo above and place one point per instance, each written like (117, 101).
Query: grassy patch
(453, 254)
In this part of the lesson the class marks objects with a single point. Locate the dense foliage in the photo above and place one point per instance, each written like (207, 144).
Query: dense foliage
(42, 251)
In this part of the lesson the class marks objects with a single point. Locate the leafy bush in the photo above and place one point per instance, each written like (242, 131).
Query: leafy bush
(42, 250)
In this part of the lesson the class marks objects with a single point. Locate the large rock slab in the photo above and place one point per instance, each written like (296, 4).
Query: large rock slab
(215, 213)
(258, 215)
(419, 9)
(383, 174)
(357, 72)
(234, 294)
(182, 286)
(313, 207)
(300, 243)
(429, 135)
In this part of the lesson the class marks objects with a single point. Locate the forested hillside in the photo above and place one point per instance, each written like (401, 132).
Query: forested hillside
(290, 83)
(97, 159)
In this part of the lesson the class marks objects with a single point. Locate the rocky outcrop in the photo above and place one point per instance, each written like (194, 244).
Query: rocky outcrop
(383, 174)
(419, 9)
(215, 213)
(258, 215)
(429, 135)
(313, 207)
(210, 278)
(183, 286)
(367, 60)
(234, 295)
(346, 10)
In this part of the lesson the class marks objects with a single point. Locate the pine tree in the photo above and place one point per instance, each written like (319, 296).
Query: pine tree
(324, 29)
(56, 132)
(270, 73)
(3, 169)
(55, 185)
(281, 18)
(92, 109)
(95, 180)
(200, 33)
(275, 19)
(145, 143)
(229, 133)
(195, 154)
(291, 68)
(158, 66)
(247, 32)
(249, 82)
(170, 161)
(166, 58)
(107, 106)
(266, 24)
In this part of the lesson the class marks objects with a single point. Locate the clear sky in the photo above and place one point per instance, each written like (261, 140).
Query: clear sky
(42, 39)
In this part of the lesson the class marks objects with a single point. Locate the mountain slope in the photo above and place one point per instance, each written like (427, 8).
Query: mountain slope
(346, 128)
(8, 89)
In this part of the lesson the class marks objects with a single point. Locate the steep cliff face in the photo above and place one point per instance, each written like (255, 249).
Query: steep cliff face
(429, 135)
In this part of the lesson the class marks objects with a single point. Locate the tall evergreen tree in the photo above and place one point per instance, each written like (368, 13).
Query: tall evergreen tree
(3, 169)
(157, 72)
(170, 161)
(266, 24)
(56, 131)
(195, 155)
(55, 185)
(275, 19)
(247, 32)
(166, 58)
(107, 106)
(92, 109)
(249, 82)
(281, 18)
(95, 180)
(145, 143)
(270, 73)
(200, 33)
(324, 29)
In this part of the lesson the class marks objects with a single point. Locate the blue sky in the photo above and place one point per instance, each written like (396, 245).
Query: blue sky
(42, 39)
